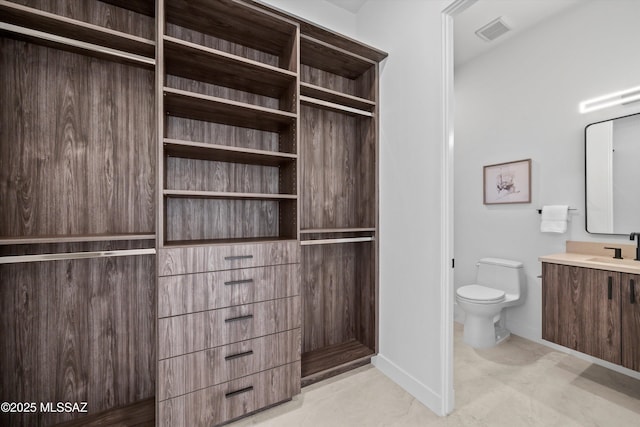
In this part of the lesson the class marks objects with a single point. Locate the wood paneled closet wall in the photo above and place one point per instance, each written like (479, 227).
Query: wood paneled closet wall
(189, 208)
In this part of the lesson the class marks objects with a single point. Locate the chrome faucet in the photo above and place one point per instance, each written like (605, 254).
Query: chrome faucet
(633, 236)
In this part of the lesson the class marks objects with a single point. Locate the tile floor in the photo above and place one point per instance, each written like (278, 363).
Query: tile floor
(519, 383)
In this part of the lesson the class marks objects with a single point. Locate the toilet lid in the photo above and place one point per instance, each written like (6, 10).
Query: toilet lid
(480, 293)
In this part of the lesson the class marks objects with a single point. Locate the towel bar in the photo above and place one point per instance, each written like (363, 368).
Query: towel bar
(571, 209)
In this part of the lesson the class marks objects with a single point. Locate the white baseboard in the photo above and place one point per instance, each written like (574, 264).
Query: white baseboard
(417, 389)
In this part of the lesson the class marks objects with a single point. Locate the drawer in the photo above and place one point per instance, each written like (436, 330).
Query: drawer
(196, 371)
(207, 291)
(227, 401)
(200, 331)
(201, 259)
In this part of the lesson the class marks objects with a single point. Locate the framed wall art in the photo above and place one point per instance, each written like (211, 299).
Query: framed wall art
(507, 182)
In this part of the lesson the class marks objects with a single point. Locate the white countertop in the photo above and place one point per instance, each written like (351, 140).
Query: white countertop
(598, 262)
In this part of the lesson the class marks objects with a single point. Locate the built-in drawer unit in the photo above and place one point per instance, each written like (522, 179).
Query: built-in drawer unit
(190, 293)
(229, 333)
(196, 371)
(200, 259)
(199, 331)
(230, 400)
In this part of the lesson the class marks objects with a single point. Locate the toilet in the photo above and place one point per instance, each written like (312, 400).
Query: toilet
(500, 283)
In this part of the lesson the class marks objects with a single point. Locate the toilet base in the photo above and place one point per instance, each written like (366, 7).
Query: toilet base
(479, 331)
(501, 334)
(482, 332)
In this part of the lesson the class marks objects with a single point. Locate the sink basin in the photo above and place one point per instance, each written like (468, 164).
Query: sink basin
(629, 262)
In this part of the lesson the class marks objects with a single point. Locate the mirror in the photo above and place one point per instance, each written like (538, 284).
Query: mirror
(612, 154)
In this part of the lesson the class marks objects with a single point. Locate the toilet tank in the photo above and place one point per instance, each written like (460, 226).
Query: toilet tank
(503, 274)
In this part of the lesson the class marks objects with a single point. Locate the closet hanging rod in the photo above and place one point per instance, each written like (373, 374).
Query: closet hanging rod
(332, 241)
(75, 255)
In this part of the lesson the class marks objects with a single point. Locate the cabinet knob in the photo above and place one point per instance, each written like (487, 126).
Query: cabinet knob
(632, 291)
(610, 291)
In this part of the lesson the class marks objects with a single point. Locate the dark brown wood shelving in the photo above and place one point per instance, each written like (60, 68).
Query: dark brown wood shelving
(224, 153)
(240, 240)
(321, 55)
(26, 240)
(338, 230)
(226, 195)
(72, 34)
(201, 63)
(328, 95)
(244, 24)
(331, 356)
(325, 105)
(190, 105)
(145, 7)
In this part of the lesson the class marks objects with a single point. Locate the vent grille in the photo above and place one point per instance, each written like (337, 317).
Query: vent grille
(493, 30)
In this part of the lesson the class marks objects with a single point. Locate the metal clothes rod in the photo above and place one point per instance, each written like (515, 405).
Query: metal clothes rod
(334, 106)
(75, 255)
(332, 241)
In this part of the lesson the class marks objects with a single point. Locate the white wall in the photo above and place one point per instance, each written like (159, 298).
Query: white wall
(521, 101)
(320, 12)
(411, 140)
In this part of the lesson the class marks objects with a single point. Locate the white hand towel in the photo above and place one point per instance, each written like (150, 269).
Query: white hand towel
(554, 219)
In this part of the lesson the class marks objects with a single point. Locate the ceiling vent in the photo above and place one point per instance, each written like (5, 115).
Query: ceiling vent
(493, 30)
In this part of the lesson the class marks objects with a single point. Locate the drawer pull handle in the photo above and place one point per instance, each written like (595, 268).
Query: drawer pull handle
(238, 355)
(235, 319)
(610, 291)
(237, 257)
(632, 291)
(238, 282)
(237, 392)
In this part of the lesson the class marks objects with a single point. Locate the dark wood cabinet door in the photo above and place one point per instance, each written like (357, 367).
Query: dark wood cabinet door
(630, 307)
(581, 309)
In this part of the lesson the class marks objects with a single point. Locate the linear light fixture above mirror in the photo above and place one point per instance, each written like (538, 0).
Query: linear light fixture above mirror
(609, 100)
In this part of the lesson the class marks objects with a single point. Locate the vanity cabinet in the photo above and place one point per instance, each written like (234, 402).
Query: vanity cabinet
(630, 317)
(590, 311)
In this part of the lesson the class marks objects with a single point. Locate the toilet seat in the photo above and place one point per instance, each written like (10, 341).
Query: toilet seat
(480, 294)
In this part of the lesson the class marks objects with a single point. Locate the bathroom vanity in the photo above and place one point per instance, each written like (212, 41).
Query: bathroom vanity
(591, 302)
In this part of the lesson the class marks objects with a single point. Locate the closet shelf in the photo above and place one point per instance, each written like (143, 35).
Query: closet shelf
(325, 105)
(224, 153)
(226, 195)
(196, 62)
(213, 242)
(233, 21)
(63, 32)
(144, 7)
(338, 230)
(190, 105)
(81, 238)
(328, 95)
(324, 56)
(331, 356)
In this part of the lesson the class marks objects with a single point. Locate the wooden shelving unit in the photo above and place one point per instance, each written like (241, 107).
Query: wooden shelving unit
(65, 33)
(78, 200)
(190, 105)
(322, 55)
(240, 23)
(338, 139)
(215, 140)
(227, 195)
(224, 153)
(37, 240)
(197, 62)
(335, 97)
